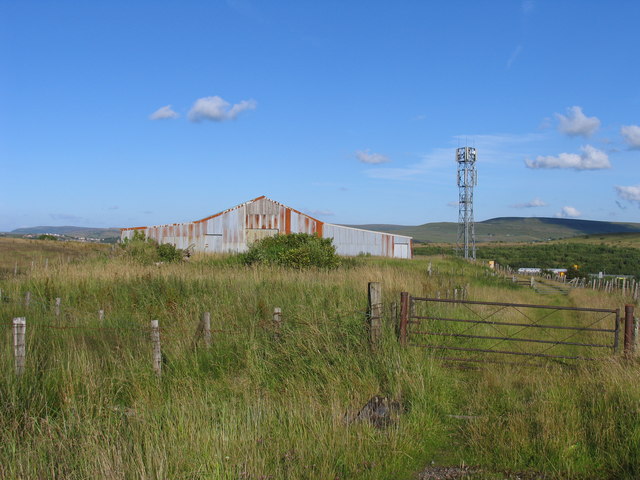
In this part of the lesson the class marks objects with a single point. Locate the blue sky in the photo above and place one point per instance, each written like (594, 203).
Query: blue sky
(126, 113)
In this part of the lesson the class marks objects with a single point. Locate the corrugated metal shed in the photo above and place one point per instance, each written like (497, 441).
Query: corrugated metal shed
(236, 228)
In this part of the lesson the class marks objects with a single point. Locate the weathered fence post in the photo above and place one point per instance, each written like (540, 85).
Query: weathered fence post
(27, 299)
(19, 343)
(206, 328)
(58, 301)
(404, 317)
(628, 329)
(101, 315)
(636, 325)
(375, 312)
(15, 269)
(157, 352)
(277, 317)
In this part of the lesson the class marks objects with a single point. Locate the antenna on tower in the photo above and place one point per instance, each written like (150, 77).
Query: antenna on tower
(467, 179)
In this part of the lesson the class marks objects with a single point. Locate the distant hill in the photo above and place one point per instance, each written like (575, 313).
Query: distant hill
(508, 229)
(69, 231)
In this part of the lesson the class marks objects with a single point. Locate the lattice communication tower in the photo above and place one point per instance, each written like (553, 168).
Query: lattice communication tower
(467, 179)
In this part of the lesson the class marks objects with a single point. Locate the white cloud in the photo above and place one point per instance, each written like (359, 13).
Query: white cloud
(568, 212)
(217, 109)
(536, 202)
(577, 123)
(367, 157)
(163, 113)
(631, 193)
(590, 159)
(453, 204)
(631, 134)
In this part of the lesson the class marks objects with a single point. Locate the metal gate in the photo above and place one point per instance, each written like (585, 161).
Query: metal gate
(483, 331)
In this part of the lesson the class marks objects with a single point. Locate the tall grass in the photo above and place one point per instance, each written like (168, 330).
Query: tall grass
(266, 403)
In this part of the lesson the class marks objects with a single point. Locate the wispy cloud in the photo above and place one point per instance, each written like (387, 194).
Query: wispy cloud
(217, 109)
(527, 6)
(576, 123)
(164, 113)
(365, 156)
(453, 204)
(514, 56)
(590, 159)
(536, 202)
(66, 217)
(631, 135)
(320, 213)
(113, 207)
(492, 149)
(568, 212)
(630, 193)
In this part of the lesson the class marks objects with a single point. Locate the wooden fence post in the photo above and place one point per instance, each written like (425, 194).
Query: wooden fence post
(27, 299)
(58, 301)
(375, 312)
(206, 328)
(628, 329)
(157, 352)
(203, 330)
(19, 343)
(277, 317)
(404, 317)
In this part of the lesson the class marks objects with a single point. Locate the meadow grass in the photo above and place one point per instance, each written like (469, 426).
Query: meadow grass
(263, 402)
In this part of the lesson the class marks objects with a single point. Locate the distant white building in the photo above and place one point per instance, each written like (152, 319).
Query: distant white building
(537, 271)
(233, 230)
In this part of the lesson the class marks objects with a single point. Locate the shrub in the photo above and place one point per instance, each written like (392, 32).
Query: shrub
(169, 253)
(46, 236)
(147, 251)
(297, 250)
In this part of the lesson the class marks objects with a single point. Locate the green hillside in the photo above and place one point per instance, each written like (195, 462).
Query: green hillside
(509, 229)
(70, 231)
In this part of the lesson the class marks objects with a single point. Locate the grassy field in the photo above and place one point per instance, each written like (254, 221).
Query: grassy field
(19, 255)
(614, 254)
(268, 403)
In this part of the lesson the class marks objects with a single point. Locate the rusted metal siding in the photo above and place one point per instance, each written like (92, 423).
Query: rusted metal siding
(354, 241)
(232, 230)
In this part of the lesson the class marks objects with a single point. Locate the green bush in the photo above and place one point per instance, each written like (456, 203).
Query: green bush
(147, 251)
(297, 250)
(46, 236)
(169, 253)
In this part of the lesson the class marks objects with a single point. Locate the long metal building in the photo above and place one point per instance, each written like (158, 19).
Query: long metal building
(236, 228)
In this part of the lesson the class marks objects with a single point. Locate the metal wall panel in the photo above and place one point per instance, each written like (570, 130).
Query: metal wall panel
(227, 231)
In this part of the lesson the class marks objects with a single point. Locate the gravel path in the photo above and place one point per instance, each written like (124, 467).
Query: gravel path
(473, 473)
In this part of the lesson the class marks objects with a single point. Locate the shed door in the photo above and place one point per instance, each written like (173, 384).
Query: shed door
(401, 250)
